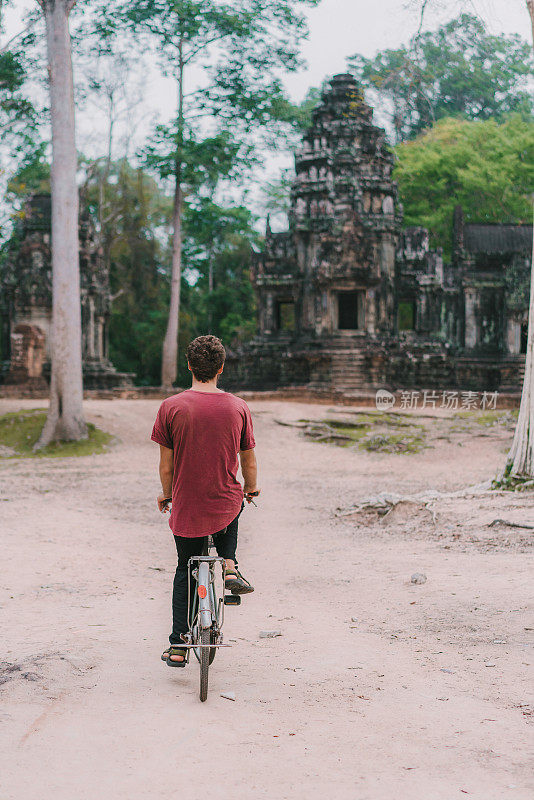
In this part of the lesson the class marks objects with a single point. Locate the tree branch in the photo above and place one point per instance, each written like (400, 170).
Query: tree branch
(195, 51)
(421, 19)
(14, 38)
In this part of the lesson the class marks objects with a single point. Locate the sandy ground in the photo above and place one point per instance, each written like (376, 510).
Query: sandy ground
(377, 689)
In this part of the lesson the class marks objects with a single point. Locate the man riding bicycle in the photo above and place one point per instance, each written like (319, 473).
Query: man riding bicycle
(200, 433)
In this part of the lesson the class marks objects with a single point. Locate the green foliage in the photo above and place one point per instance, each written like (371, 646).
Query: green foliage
(204, 161)
(19, 117)
(20, 431)
(405, 315)
(229, 310)
(459, 70)
(487, 167)
(305, 110)
(217, 249)
(17, 114)
(32, 175)
(276, 195)
(234, 54)
(132, 214)
(227, 60)
(210, 229)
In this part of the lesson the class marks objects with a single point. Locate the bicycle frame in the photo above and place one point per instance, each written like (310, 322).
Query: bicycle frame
(206, 610)
(210, 609)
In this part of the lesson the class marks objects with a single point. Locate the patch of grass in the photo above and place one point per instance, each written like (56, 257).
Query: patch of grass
(394, 443)
(19, 432)
(489, 418)
(380, 432)
(346, 425)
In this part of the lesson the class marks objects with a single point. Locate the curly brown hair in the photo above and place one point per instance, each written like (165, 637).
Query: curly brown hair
(206, 356)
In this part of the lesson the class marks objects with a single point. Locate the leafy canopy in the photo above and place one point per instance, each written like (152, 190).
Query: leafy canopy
(487, 167)
(134, 213)
(135, 244)
(17, 114)
(458, 70)
(237, 51)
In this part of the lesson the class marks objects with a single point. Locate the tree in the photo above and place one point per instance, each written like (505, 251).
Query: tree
(65, 418)
(217, 246)
(16, 111)
(212, 230)
(486, 167)
(18, 115)
(520, 461)
(132, 211)
(216, 293)
(459, 70)
(238, 50)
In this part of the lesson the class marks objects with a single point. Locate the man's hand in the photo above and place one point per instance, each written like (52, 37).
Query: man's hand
(249, 493)
(163, 503)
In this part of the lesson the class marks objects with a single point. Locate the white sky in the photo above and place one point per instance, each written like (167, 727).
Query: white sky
(340, 28)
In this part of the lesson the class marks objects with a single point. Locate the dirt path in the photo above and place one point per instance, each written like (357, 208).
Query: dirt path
(378, 689)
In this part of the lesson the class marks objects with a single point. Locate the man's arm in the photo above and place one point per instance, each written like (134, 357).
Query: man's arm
(166, 469)
(249, 468)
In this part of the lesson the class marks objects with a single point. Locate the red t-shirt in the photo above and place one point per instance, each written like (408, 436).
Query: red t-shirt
(205, 430)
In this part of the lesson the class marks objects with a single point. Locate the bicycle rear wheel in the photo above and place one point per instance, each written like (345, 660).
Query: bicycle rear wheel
(205, 636)
(213, 650)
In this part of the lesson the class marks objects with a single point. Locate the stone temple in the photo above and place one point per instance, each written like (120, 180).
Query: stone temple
(348, 299)
(26, 304)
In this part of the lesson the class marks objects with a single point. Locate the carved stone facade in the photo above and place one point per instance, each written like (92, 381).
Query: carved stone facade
(26, 304)
(27, 356)
(348, 299)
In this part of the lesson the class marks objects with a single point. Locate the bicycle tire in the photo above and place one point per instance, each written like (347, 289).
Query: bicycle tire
(212, 650)
(205, 637)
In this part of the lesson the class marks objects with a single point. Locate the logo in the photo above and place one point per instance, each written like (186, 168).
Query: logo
(384, 400)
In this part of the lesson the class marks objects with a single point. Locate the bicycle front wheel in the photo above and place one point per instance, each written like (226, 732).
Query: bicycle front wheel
(205, 636)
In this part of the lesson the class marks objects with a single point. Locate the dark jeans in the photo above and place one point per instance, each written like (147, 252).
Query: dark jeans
(225, 542)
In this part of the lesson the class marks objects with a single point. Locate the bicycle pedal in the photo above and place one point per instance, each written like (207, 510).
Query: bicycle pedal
(232, 600)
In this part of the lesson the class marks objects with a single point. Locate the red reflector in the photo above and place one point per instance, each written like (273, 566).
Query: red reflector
(202, 591)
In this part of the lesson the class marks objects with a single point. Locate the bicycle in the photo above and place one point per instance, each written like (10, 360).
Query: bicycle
(206, 612)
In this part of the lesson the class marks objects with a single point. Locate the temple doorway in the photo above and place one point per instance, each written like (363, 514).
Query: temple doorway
(348, 310)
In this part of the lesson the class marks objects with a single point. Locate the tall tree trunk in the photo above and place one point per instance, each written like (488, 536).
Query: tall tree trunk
(520, 461)
(210, 288)
(170, 343)
(65, 415)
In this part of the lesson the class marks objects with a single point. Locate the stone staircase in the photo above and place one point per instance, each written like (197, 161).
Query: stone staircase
(346, 366)
(348, 370)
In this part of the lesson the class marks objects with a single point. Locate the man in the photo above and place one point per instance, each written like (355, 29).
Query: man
(200, 433)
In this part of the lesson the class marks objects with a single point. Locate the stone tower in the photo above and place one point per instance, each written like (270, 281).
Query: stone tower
(26, 303)
(328, 282)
